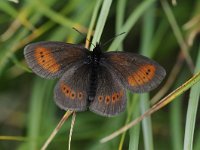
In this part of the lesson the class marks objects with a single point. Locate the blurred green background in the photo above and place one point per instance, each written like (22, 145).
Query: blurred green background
(165, 31)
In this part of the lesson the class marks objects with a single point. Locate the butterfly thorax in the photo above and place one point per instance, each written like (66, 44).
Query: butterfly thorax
(96, 53)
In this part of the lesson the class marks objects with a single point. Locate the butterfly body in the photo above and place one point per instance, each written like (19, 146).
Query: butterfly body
(92, 79)
(94, 62)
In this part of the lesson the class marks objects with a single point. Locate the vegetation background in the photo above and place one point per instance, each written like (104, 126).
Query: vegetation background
(166, 31)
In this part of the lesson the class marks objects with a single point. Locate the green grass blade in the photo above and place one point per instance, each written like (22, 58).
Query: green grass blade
(7, 8)
(132, 19)
(135, 131)
(147, 35)
(146, 123)
(159, 34)
(177, 33)
(176, 124)
(101, 20)
(148, 31)
(58, 18)
(93, 20)
(192, 111)
(120, 15)
(197, 142)
(131, 112)
(37, 101)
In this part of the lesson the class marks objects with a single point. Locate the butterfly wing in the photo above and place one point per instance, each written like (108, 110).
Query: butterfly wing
(136, 72)
(71, 90)
(52, 59)
(110, 98)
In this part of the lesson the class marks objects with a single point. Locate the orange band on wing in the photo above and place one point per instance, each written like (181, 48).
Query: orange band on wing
(143, 75)
(46, 60)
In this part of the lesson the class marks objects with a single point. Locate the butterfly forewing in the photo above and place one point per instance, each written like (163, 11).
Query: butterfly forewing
(110, 98)
(52, 59)
(136, 72)
(71, 90)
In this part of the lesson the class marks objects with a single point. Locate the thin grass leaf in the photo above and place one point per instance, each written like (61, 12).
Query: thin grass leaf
(92, 22)
(192, 111)
(134, 132)
(36, 104)
(146, 122)
(132, 19)
(159, 34)
(120, 17)
(58, 18)
(101, 20)
(177, 33)
(176, 124)
(13, 138)
(197, 142)
(7, 8)
(130, 111)
(147, 35)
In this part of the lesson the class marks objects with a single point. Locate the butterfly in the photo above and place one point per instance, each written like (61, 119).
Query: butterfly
(93, 80)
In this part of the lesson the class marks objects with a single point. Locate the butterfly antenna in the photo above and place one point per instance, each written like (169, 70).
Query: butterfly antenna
(83, 36)
(113, 38)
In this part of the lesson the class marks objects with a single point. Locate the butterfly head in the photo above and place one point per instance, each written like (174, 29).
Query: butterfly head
(97, 49)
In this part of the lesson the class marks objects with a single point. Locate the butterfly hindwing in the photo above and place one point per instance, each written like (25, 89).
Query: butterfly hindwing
(71, 90)
(110, 98)
(136, 72)
(52, 59)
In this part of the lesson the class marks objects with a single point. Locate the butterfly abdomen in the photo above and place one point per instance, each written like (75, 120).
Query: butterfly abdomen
(93, 82)
(95, 58)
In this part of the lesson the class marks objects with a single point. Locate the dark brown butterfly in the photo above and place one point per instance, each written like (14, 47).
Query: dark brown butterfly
(92, 79)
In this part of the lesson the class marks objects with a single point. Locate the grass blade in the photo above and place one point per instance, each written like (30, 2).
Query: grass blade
(101, 20)
(177, 33)
(176, 122)
(120, 15)
(135, 131)
(132, 19)
(147, 35)
(92, 22)
(192, 111)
